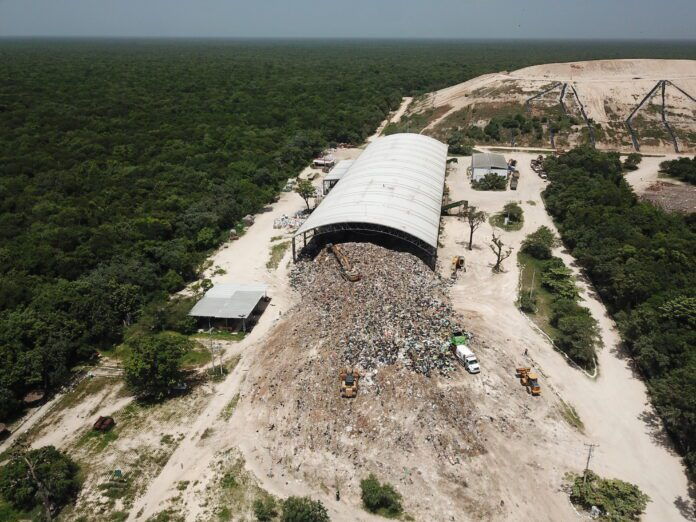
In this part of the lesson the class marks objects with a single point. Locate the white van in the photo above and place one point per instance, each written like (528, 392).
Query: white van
(467, 358)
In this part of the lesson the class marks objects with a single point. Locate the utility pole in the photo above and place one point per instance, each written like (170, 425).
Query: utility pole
(590, 450)
(531, 288)
(212, 352)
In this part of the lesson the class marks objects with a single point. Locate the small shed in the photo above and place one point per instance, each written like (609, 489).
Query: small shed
(335, 175)
(483, 163)
(232, 306)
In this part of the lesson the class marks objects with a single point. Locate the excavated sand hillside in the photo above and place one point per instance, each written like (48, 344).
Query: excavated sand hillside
(609, 90)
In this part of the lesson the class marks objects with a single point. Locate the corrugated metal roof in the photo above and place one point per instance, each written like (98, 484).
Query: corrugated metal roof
(229, 301)
(339, 170)
(396, 182)
(488, 160)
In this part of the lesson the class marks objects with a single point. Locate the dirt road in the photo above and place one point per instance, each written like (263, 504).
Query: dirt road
(614, 407)
(395, 117)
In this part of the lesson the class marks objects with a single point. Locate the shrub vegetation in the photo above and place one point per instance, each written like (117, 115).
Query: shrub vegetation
(303, 509)
(514, 214)
(682, 168)
(42, 477)
(573, 329)
(632, 161)
(265, 509)
(618, 501)
(379, 498)
(490, 181)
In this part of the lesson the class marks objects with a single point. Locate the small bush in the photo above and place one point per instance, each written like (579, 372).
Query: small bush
(558, 279)
(490, 181)
(632, 160)
(619, 501)
(577, 334)
(682, 168)
(539, 244)
(527, 303)
(304, 509)
(265, 509)
(380, 498)
(514, 212)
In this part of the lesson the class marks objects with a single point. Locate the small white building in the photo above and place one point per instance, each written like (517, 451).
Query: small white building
(483, 163)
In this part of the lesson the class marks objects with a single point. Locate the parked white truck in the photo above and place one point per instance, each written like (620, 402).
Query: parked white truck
(461, 351)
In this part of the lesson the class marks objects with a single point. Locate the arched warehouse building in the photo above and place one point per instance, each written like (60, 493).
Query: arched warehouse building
(392, 194)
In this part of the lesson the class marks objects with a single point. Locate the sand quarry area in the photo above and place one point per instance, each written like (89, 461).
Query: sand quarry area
(607, 90)
(456, 446)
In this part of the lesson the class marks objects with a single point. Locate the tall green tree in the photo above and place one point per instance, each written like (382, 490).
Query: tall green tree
(42, 476)
(153, 366)
(306, 190)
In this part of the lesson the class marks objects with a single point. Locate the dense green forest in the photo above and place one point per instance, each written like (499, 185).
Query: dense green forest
(642, 261)
(123, 162)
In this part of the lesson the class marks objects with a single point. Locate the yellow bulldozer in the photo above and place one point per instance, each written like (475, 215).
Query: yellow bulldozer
(530, 380)
(457, 264)
(349, 383)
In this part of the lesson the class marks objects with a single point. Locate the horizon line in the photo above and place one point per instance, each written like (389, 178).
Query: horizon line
(348, 38)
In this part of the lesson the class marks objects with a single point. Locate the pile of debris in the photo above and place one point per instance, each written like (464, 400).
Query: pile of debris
(291, 223)
(398, 312)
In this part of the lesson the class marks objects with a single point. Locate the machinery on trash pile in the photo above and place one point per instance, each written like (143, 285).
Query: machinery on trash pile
(457, 264)
(530, 380)
(348, 271)
(349, 383)
(459, 345)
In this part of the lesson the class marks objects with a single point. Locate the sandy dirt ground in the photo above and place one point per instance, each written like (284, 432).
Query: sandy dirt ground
(614, 407)
(608, 89)
(669, 194)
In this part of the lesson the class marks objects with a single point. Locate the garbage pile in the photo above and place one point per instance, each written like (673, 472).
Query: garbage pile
(292, 223)
(397, 313)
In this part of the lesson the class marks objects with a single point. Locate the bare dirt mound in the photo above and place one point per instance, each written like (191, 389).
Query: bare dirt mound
(614, 70)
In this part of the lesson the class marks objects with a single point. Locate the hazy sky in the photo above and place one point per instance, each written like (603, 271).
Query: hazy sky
(640, 19)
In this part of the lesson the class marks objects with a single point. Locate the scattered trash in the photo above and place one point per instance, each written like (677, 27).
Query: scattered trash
(292, 223)
(398, 312)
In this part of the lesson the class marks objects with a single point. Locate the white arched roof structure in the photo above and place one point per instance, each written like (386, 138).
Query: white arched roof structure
(396, 183)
